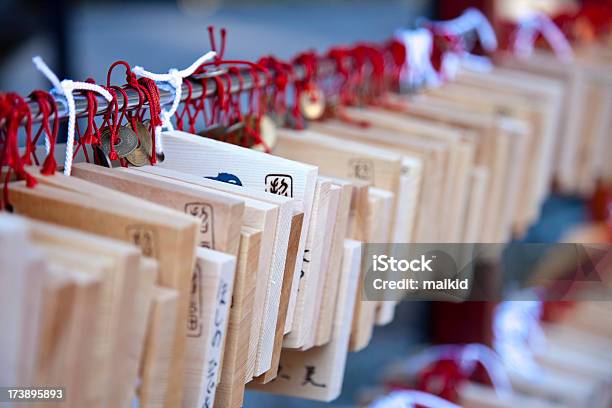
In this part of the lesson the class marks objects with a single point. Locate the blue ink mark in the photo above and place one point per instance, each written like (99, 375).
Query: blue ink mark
(227, 178)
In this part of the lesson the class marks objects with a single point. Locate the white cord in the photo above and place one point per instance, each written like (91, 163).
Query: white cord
(493, 365)
(46, 71)
(518, 336)
(409, 399)
(66, 88)
(477, 63)
(471, 19)
(418, 68)
(174, 78)
(527, 33)
(467, 355)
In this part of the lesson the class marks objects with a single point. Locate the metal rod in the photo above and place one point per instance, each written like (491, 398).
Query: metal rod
(325, 67)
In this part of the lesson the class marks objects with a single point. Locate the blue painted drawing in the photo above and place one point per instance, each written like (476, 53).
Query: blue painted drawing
(227, 178)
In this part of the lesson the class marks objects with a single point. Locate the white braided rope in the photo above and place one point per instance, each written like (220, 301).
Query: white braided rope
(472, 19)
(66, 88)
(174, 78)
(527, 33)
(518, 336)
(467, 355)
(418, 69)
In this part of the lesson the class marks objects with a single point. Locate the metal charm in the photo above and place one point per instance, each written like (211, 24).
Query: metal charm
(140, 156)
(102, 157)
(312, 103)
(267, 132)
(126, 142)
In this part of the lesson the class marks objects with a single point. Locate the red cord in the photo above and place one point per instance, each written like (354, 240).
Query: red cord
(13, 111)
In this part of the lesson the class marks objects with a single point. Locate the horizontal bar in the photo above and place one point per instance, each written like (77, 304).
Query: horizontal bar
(325, 67)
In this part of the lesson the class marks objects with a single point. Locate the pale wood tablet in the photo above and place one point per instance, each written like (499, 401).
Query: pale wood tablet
(408, 186)
(545, 96)
(492, 150)
(576, 113)
(159, 345)
(326, 310)
(220, 215)
(419, 160)
(149, 272)
(474, 208)
(211, 294)
(296, 226)
(507, 135)
(517, 176)
(117, 304)
(70, 348)
(75, 184)
(475, 395)
(559, 387)
(381, 201)
(598, 167)
(595, 345)
(343, 158)
(318, 373)
(604, 147)
(358, 216)
(410, 189)
(575, 101)
(360, 228)
(93, 383)
(581, 112)
(80, 371)
(20, 293)
(332, 217)
(391, 128)
(592, 317)
(150, 230)
(594, 129)
(311, 268)
(82, 386)
(202, 302)
(362, 143)
(432, 156)
(251, 169)
(230, 390)
(576, 362)
(36, 268)
(90, 390)
(364, 315)
(57, 300)
(540, 139)
(263, 211)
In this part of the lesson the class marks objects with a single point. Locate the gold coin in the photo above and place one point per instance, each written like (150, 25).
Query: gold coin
(145, 142)
(140, 156)
(126, 141)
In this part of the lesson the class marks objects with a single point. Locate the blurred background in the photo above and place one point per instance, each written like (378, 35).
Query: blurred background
(79, 39)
